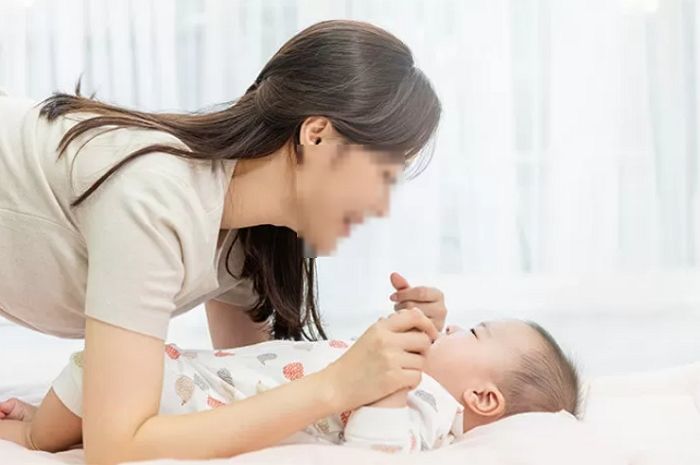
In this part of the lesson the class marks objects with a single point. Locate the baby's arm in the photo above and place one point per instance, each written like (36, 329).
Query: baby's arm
(386, 425)
(52, 427)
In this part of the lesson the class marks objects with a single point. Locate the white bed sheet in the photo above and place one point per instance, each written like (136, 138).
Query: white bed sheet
(652, 418)
(530, 439)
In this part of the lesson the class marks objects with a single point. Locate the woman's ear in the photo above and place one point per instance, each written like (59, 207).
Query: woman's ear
(314, 130)
(485, 401)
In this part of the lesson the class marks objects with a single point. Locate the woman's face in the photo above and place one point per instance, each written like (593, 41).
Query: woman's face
(338, 186)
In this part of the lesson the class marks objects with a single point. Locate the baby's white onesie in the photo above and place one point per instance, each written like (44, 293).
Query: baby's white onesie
(196, 380)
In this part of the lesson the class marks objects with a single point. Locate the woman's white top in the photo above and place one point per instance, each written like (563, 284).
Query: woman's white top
(140, 250)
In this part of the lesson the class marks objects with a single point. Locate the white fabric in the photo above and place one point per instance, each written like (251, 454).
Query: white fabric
(568, 143)
(149, 232)
(535, 439)
(197, 380)
(432, 419)
(564, 172)
(529, 439)
(655, 416)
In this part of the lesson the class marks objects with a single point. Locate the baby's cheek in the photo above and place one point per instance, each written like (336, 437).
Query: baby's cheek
(437, 361)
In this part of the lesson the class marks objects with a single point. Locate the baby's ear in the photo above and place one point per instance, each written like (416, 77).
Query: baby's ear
(486, 401)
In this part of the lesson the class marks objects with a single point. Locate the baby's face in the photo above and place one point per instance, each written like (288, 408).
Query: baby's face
(462, 359)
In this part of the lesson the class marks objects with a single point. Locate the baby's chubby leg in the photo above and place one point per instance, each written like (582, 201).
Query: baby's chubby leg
(51, 428)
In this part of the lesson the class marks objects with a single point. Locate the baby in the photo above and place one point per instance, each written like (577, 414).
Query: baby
(471, 378)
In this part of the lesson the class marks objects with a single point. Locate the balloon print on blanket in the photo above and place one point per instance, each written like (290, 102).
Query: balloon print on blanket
(184, 387)
(261, 387)
(201, 384)
(292, 371)
(388, 448)
(262, 358)
(345, 416)
(77, 359)
(427, 397)
(172, 351)
(225, 375)
(323, 426)
(213, 403)
(223, 353)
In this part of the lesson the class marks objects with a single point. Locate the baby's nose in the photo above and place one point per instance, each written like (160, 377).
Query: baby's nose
(451, 329)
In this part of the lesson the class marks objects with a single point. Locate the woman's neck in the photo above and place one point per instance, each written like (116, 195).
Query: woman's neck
(262, 191)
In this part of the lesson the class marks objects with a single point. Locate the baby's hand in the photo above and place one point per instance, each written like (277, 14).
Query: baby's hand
(15, 409)
(396, 400)
(429, 300)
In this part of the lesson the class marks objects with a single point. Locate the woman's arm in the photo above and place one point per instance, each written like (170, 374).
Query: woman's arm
(123, 378)
(230, 326)
(122, 387)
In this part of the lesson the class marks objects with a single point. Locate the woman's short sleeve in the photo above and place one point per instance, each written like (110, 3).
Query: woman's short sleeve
(241, 295)
(239, 292)
(132, 226)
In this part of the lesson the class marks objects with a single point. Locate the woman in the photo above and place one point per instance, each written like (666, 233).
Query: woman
(113, 221)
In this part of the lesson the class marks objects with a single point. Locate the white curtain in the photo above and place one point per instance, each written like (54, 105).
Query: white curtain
(565, 176)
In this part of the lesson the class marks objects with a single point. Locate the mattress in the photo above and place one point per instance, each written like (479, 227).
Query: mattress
(631, 419)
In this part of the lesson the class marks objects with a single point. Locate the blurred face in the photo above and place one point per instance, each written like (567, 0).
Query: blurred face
(466, 359)
(338, 186)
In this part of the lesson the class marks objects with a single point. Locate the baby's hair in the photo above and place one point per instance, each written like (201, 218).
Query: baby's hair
(545, 380)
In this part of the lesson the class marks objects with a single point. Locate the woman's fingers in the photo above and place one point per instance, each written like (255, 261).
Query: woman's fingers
(410, 378)
(412, 361)
(434, 310)
(412, 319)
(389, 356)
(416, 342)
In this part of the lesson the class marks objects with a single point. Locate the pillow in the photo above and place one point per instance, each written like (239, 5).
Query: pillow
(654, 416)
(542, 439)
(526, 439)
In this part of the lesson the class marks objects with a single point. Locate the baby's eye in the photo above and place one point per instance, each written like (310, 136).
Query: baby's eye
(474, 333)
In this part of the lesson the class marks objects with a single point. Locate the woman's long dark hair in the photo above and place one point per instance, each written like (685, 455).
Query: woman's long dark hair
(360, 77)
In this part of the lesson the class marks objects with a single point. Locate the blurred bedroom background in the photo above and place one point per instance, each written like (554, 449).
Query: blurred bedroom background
(564, 187)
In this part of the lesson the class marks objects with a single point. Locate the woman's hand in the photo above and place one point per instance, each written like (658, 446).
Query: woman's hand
(388, 357)
(398, 399)
(429, 299)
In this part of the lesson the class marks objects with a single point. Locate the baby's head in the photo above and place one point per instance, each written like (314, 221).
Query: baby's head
(502, 368)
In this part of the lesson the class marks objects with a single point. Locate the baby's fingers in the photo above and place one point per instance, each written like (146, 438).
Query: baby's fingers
(6, 407)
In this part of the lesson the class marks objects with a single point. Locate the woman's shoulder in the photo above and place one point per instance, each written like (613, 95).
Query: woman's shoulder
(207, 180)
